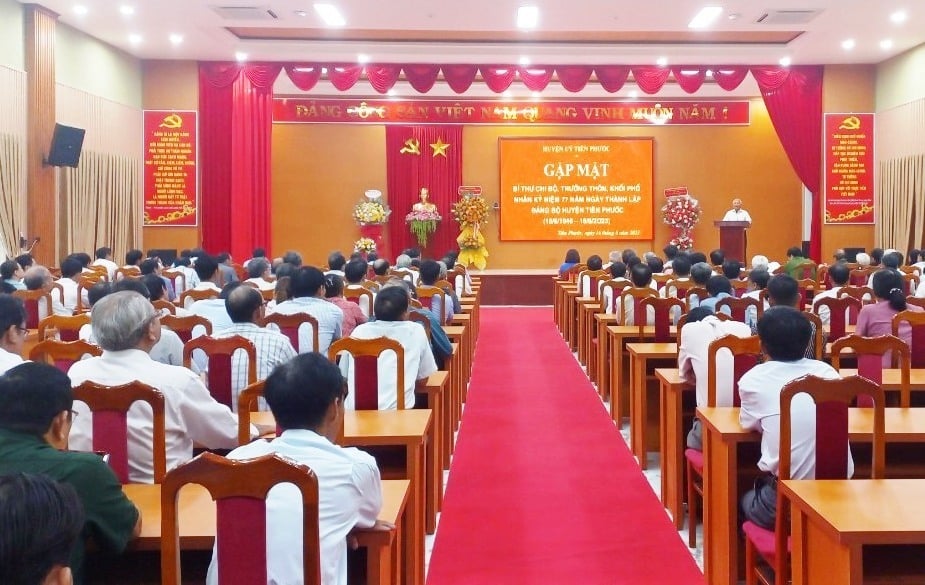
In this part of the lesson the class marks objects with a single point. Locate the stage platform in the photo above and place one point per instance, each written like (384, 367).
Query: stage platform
(516, 287)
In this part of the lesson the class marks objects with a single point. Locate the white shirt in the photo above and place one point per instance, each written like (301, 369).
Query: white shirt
(262, 284)
(329, 316)
(364, 301)
(740, 215)
(628, 318)
(419, 361)
(168, 349)
(273, 349)
(192, 279)
(209, 285)
(751, 313)
(9, 360)
(825, 315)
(213, 310)
(69, 287)
(760, 389)
(349, 495)
(693, 355)
(191, 414)
(111, 267)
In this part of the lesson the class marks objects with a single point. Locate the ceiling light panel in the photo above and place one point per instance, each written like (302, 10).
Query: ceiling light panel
(330, 14)
(528, 17)
(706, 17)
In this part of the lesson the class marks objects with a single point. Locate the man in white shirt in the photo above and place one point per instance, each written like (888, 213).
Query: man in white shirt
(737, 213)
(12, 331)
(427, 279)
(258, 272)
(307, 287)
(127, 326)
(306, 396)
(702, 329)
(641, 277)
(758, 281)
(70, 271)
(39, 278)
(336, 263)
(391, 311)
(212, 309)
(273, 348)
(104, 258)
(839, 275)
(784, 334)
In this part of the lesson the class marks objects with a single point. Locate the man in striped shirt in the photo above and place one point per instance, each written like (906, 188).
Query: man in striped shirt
(307, 287)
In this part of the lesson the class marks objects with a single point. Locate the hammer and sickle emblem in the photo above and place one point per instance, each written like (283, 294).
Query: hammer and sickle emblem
(850, 123)
(173, 121)
(412, 146)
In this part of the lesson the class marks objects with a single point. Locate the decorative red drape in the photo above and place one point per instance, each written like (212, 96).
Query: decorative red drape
(407, 173)
(236, 112)
(793, 97)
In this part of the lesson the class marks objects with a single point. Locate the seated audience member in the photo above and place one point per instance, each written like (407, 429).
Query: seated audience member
(614, 256)
(70, 272)
(336, 263)
(757, 282)
(294, 258)
(717, 257)
(25, 261)
(702, 329)
(671, 252)
(355, 273)
(761, 262)
(307, 397)
(42, 520)
(155, 267)
(273, 348)
(133, 258)
(863, 259)
(595, 262)
(334, 293)
(784, 334)
(403, 268)
(877, 318)
(796, 264)
(839, 255)
(11, 273)
(696, 257)
(783, 291)
(212, 309)
(655, 263)
(381, 267)
(207, 273)
(12, 331)
(719, 288)
(876, 256)
(444, 275)
(429, 274)
(627, 254)
(732, 269)
(571, 259)
(700, 274)
(681, 271)
(617, 270)
(127, 327)
(258, 272)
(226, 269)
(838, 275)
(307, 287)
(35, 421)
(104, 259)
(184, 265)
(39, 278)
(917, 259)
(259, 253)
(439, 342)
(391, 311)
(641, 277)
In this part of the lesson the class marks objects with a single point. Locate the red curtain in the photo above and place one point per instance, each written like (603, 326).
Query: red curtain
(236, 109)
(612, 77)
(498, 77)
(574, 77)
(689, 78)
(650, 79)
(407, 173)
(421, 77)
(535, 78)
(793, 97)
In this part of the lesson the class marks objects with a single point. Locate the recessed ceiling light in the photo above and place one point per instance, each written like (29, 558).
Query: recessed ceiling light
(661, 61)
(784, 61)
(127, 10)
(175, 39)
(391, 93)
(525, 60)
(899, 17)
(886, 44)
(528, 16)
(633, 94)
(847, 44)
(134, 39)
(362, 59)
(705, 17)
(80, 9)
(330, 14)
(240, 56)
(734, 16)
(506, 93)
(301, 13)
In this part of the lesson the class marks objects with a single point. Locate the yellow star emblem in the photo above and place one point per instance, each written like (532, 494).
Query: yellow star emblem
(440, 147)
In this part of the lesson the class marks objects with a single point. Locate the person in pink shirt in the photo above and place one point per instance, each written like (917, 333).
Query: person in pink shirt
(334, 293)
(877, 318)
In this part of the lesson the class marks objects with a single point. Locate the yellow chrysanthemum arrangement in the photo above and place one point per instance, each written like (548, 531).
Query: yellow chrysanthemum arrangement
(470, 212)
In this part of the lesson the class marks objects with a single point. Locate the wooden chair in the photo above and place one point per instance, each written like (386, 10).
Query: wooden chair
(739, 288)
(62, 354)
(110, 406)
(184, 326)
(915, 320)
(127, 272)
(588, 279)
(239, 271)
(865, 294)
(818, 340)
(678, 288)
(805, 271)
(632, 296)
(822, 276)
(664, 315)
(362, 296)
(366, 354)
(84, 284)
(842, 311)
(248, 402)
(178, 278)
(100, 271)
(832, 399)
(869, 352)
(289, 325)
(162, 305)
(382, 278)
(422, 319)
(194, 295)
(806, 288)
(34, 300)
(240, 489)
(610, 291)
(860, 276)
(917, 301)
(738, 308)
(426, 296)
(695, 292)
(67, 326)
(571, 274)
(221, 372)
(372, 286)
(661, 280)
(746, 353)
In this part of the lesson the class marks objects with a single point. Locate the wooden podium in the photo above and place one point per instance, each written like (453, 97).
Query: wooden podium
(733, 239)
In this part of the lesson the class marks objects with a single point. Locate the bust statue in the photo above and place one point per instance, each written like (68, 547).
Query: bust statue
(424, 204)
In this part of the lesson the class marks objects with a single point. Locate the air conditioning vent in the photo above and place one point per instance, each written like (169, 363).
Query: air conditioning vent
(245, 12)
(787, 17)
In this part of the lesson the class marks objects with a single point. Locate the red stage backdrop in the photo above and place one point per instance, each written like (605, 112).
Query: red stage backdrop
(171, 165)
(849, 168)
(634, 113)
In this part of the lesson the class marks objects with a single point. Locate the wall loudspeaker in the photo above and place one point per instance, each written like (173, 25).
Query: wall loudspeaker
(66, 143)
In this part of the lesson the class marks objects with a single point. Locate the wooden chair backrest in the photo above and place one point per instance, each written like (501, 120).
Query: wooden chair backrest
(739, 287)
(869, 352)
(219, 351)
(248, 401)
(738, 308)
(371, 285)
(917, 301)
(240, 489)
(127, 272)
(62, 354)
(68, 326)
(198, 295)
(362, 296)
(661, 280)
(571, 274)
(183, 326)
(110, 406)
(178, 278)
(32, 299)
(865, 294)
(426, 296)
(422, 319)
(616, 287)
(678, 288)
(746, 353)
(592, 277)
(366, 354)
(806, 286)
(383, 278)
(289, 326)
(842, 311)
(663, 315)
(632, 296)
(695, 291)
(916, 320)
(860, 275)
(162, 305)
(819, 336)
(912, 283)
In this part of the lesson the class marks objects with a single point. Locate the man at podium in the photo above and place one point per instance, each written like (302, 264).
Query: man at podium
(737, 213)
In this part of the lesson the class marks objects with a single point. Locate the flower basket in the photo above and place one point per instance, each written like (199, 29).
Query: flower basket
(682, 212)
(364, 245)
(371, 212)
(471, 212)
(422, 224)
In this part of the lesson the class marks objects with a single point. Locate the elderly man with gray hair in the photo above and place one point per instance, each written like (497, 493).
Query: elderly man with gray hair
(127, 326)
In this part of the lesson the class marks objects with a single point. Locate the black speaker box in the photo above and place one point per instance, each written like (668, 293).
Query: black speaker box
(66, 143)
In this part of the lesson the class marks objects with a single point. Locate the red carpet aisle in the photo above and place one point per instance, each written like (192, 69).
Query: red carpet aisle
(543, 488)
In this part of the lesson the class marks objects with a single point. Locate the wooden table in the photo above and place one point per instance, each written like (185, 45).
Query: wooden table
(672, 441)
(834, 520)
(585, 308)
(618, 335)
(722, 435)
(602, 377)
(435, 388)
(640, 356)
(196, 511)
(409, 429)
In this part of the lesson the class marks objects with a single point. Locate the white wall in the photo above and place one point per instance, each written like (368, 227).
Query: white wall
(11, 35)
(901, 80)
(90, 65)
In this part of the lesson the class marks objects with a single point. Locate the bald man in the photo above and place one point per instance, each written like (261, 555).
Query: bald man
(737, 213)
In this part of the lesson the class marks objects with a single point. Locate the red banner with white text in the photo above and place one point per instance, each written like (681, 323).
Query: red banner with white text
(171, 168)
(521, 113)
(849, 168)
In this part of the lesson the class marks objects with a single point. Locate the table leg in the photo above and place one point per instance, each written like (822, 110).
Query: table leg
(603, 372)
(720, 510)
(638, 425)
(616, 379)
(414, 552)
(672, 453)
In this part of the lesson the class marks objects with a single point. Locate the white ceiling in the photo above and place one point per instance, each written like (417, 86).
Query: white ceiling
(205, 36)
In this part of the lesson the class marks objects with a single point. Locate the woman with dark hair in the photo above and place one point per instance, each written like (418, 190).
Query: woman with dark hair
(334, 294)
(877, 318)
(571, 259)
